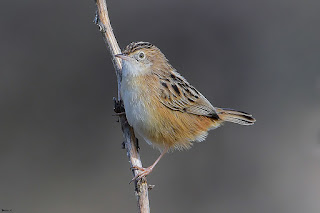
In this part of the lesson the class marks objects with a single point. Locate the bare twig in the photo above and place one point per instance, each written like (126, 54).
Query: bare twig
(130, 143)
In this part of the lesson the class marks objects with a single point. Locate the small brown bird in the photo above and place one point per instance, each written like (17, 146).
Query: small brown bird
(163, 107)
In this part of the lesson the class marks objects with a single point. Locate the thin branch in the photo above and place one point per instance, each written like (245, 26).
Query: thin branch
(141, 186)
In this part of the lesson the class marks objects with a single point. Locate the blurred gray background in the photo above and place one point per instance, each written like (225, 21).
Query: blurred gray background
(60, 146)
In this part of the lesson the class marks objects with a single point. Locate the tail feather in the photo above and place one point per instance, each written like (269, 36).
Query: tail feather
(235, 116)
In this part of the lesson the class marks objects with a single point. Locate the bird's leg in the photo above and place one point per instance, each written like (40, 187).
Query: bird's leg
(145, 171)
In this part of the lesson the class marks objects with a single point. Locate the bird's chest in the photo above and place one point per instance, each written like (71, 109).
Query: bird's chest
(135, 99)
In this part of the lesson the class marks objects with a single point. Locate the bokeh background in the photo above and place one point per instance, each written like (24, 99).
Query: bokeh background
(60, 146)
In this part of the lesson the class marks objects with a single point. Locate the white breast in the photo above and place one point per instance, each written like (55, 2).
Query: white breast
(135, 105)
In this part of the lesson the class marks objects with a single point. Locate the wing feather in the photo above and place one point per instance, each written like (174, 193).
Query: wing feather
(177, 94)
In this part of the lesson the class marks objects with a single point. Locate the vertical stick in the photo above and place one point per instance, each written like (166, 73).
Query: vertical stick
(141, 186)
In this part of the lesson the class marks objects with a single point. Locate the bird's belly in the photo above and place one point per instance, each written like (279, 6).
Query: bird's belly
(135, 103)
(143, 115)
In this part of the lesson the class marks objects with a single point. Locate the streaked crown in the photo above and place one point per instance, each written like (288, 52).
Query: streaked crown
(134, 46)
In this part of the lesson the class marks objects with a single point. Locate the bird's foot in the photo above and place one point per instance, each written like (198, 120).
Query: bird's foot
(144, 172)
(118, 106)
(119, 113)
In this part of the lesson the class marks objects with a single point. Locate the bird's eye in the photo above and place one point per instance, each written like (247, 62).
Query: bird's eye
(141, 55)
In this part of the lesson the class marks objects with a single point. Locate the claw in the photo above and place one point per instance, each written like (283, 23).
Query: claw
(137, 168)
(118, 106)
(119, 114)
(144, 172)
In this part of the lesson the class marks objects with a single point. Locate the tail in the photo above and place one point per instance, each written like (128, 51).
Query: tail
(235, 116)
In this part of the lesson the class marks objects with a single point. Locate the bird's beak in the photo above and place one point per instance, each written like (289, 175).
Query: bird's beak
(122, 56)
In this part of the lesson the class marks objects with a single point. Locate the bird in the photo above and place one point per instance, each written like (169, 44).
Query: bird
(163, 107)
